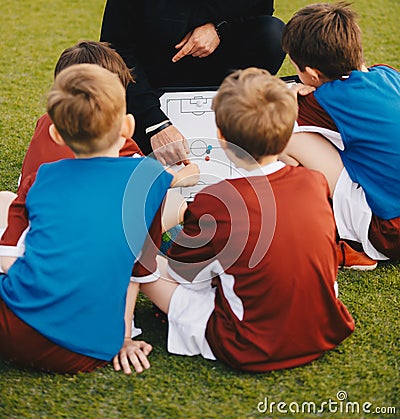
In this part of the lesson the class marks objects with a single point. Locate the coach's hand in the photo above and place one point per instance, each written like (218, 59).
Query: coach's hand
(201, 42)
(170, 146)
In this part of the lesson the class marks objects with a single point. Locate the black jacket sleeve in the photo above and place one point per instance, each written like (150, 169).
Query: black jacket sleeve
(121, 26)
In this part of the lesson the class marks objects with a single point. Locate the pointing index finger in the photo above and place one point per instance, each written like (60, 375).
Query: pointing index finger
(185, 50)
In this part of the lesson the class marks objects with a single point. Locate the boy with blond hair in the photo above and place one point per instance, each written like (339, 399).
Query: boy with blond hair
(251, 279)
(66, 297)
(348, 128)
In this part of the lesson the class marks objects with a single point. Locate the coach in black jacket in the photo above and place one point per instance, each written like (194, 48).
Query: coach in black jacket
(171, 43)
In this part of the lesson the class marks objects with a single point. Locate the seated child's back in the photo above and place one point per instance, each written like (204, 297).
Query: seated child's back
(71, 282)
(256, 263)
(358, 110)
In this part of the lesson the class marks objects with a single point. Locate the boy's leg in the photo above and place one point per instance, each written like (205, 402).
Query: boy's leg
(314, 151)
(6, 197)
(160, 291)
(256, 42)
(188, 313)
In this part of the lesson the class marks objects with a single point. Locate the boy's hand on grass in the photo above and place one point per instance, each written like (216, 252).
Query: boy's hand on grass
(132, 352)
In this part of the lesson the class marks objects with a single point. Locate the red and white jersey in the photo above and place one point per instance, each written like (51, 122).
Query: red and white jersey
(42, 149)
(313, 118)
(268, 244)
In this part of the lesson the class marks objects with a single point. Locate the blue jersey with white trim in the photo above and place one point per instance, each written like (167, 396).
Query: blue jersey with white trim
(71, 283)
(366, 110)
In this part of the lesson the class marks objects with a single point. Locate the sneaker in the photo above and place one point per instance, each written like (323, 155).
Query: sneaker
(348, 258)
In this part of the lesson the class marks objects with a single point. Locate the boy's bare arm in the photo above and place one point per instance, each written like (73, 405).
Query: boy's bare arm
(302, 89)
(173, 210)
(132, 352)
(187, 176)
(135, 352)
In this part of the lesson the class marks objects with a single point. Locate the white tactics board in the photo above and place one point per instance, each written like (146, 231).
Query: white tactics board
(191, 113)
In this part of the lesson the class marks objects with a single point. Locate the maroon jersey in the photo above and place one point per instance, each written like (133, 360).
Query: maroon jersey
(42, 149)
(268, 244)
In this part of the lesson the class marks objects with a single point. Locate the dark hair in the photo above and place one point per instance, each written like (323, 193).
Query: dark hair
(93, 52)
(326, 37)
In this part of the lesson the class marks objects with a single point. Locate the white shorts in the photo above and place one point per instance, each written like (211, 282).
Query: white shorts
(353, 214)
(189, 311)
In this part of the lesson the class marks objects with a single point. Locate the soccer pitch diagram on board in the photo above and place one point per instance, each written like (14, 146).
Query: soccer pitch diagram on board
(191, 113)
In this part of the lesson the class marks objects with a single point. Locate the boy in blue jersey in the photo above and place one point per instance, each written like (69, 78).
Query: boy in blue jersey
(348, 128)
(67, 296)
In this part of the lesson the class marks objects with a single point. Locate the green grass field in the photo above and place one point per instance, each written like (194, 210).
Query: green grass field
(365, 366)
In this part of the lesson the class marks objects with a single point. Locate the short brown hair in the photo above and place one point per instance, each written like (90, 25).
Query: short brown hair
(326, 37)
(255, 111)
(93, 52)
(86, 105)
